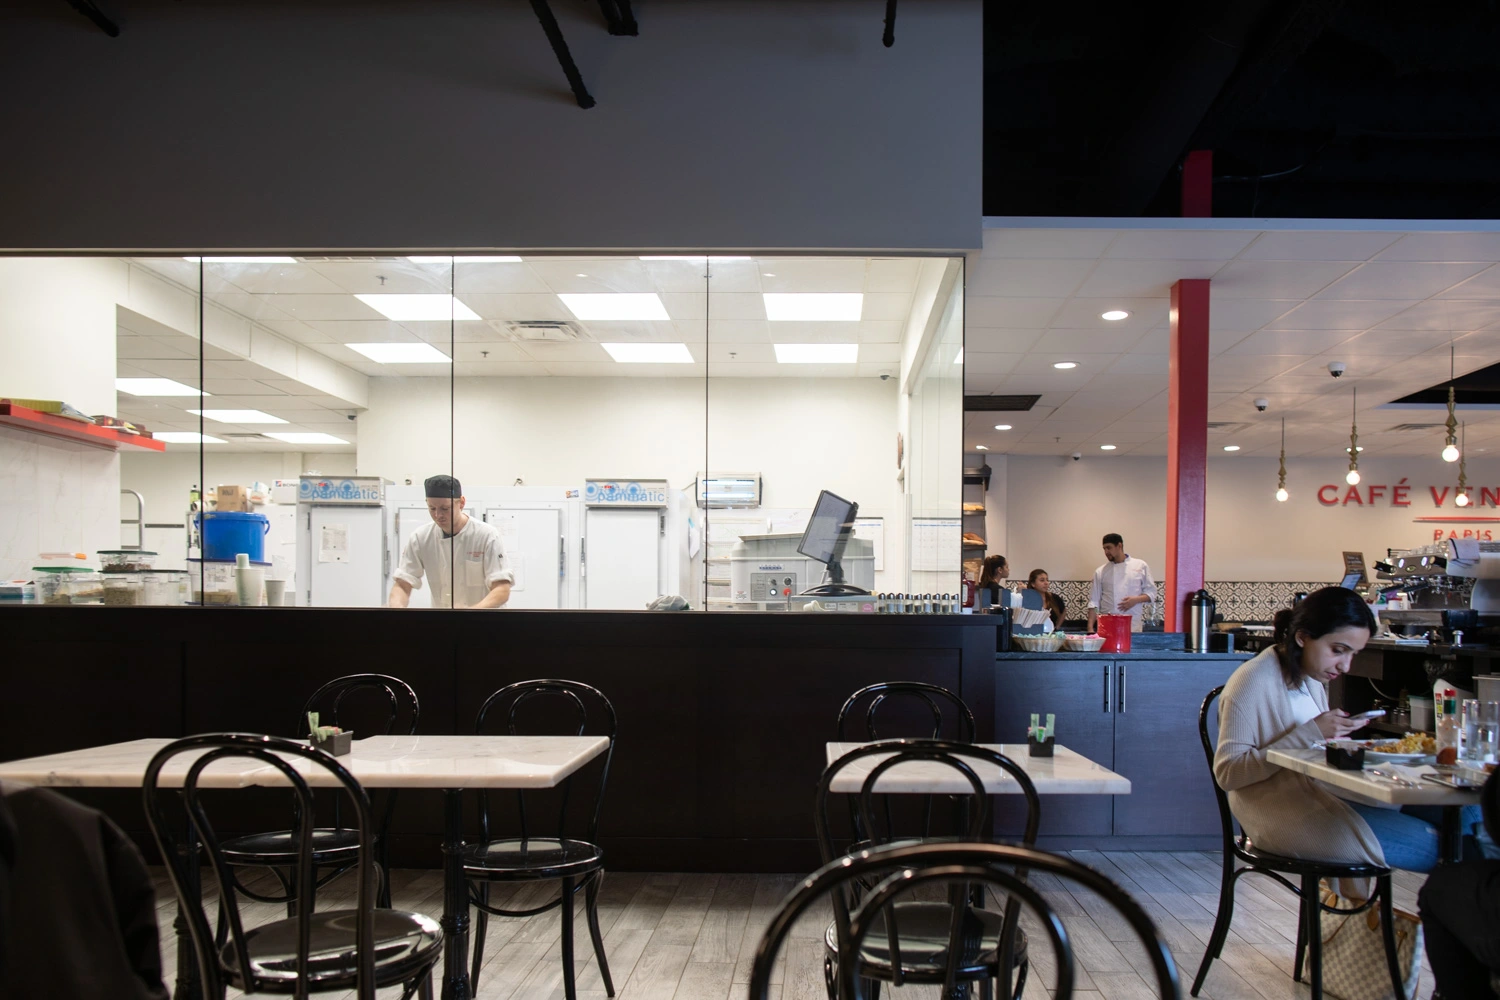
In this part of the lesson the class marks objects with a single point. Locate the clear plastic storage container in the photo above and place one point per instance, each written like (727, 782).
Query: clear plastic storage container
(124, 589)
(57, 585)
(126, 560)
(165, 587)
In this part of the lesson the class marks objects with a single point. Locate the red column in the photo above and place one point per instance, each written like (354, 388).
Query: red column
(1198, 184)
(1187, 444)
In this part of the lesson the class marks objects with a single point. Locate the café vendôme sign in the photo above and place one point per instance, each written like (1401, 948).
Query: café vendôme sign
(1403, 494)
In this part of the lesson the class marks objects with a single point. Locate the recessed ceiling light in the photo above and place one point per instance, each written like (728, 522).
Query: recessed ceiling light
(1231, 447)
(1114, 314)
(454, 259)
(981, 447)
(661, 354)
(1002, 427)
(692, 257)
(238, 416)
(624, 306)
(417, 307)
(960, 359)
(1106, 447)
(1066, 365)
(580, 274)
(767, 274)
(305, 437)
(154, 387)
(814, 307)
(402, 354)
(186, 437)
(244, 260)
(817, 354)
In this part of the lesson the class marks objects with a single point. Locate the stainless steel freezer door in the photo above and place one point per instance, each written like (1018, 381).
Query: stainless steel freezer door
(622, 558)
(347, 550)
(533, 541)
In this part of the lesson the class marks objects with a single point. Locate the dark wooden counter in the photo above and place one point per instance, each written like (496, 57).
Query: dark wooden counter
(723, 717)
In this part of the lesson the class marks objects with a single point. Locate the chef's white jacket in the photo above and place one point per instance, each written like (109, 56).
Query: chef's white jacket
(1115, 581)
(476, 550)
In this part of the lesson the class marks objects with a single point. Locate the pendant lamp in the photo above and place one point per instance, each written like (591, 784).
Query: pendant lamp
(1281, 493)
(1353, 477)
(1450, 443)
(1462, 500)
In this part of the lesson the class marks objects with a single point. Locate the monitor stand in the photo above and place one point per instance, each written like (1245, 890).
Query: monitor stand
(836, 587)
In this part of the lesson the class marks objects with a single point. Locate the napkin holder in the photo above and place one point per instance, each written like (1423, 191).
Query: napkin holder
(1345, 759)
(1040, 748)
(337, 744)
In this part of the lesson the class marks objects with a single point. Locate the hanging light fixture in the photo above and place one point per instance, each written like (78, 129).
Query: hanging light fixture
(1353, 477)
(1450, 444)
(1281, 493)
(1462, 500)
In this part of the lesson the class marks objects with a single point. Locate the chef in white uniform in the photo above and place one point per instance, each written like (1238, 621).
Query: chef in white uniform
(453, 539)
(1122, 586)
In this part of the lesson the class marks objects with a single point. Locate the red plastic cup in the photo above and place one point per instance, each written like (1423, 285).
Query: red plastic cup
(1116, 632)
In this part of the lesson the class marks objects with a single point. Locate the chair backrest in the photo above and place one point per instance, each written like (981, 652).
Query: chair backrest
(974, 807)
(290, 759)
(1000, 866)
(328, 702)
(574, 698)
(930, 696)
(1226, 819)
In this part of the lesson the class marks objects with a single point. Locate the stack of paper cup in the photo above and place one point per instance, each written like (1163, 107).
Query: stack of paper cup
(249, 582)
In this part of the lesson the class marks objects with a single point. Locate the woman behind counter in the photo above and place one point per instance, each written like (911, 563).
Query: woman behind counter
(1278, 699)
(992, 573)
(1039, 581)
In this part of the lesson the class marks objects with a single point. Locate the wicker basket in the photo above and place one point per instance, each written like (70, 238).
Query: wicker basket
(1039, 643)
(1083, 643)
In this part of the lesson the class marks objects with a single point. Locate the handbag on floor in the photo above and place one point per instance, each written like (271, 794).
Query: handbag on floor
(1354, 964)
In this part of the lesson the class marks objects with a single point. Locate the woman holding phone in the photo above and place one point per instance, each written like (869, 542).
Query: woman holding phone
(1279, 699)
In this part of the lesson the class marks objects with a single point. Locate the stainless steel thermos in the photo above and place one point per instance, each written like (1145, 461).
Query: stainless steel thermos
(1200, 616)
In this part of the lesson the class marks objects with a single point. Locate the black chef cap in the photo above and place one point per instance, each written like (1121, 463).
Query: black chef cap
(443, 487)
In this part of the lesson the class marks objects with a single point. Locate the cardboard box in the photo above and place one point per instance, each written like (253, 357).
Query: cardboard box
(233, 498)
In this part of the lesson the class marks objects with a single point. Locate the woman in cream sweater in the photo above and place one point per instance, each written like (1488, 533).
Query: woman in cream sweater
(1279, 699)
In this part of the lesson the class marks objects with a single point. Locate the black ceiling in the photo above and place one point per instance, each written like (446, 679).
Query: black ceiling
(1313, 108)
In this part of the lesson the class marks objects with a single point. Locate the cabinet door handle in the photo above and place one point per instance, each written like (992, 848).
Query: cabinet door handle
(1122, 689)
(1106, 688)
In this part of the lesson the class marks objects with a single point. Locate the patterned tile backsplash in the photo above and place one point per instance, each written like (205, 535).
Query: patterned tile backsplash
(1239, 600)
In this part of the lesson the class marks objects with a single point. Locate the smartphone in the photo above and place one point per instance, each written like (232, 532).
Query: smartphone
(1453, 781)
(1373, 713)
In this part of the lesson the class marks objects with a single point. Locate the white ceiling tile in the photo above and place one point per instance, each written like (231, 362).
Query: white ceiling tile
(1141, 364)
(256, 307)
(1398, 280)
(1484, 285)
(1185, 244)
(1001, 341)
(623, 275)
(1087, 314)
(1039, 243)
(831, 274)
(1245, 314)
(1026, 278)
(1334, 314)
(1399, 343)
(1143, 277)
(883, 354)
(1155, 342)
(549, 352)
(1445, 247)
(296, 330)
(496, 278)
(493, 369)
(488, 353)
(1101, 341)
(1446, 316)
(976, 363)
(719, 305)
(886, 306)
(1290, 342)
(898, 275)
(374, 277)
(738, 331)
(1275, 279)
(313, 307)
(516, 305)
(1011, 313)
(879, 332)
(1318, 246)
(133, 348)
(280, 278)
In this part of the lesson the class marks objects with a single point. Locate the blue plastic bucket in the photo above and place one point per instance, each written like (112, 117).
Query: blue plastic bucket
(226, 534)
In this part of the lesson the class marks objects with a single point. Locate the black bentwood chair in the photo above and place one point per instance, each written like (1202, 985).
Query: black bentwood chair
(911, 867)
(915, 943)
(333, 847)
(575, 864)
(363, 949)
(1242, 857)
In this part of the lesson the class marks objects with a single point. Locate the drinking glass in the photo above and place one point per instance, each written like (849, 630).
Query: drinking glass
(1488, 735)
(1472, 750)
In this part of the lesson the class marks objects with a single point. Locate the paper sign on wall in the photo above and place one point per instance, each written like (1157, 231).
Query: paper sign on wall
(333, 543)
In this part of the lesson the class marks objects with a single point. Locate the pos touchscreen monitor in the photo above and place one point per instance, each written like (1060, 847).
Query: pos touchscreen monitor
(826, 535)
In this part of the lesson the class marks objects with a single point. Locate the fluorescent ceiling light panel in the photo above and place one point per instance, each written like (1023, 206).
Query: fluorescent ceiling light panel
(305, 437)
(817, 354)
(238, 416)
(461, 259)
(1106, 447)
(417, 307)
(1002, 427)
(154, 387)
(402, 354)
(1231, 447)
(814, 307)
(695, 257)
(186, 437)
(244, 260)
(1065, 365)
(662, 354)
(619, 306)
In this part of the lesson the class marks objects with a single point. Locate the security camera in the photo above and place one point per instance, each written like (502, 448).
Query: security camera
(885, 376)
(1261, 404)
(350, 415)
(1078, 456)
(1336, 368)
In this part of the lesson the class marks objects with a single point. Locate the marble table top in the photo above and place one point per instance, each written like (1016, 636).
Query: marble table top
(1314, 764)
(377, 762)
(1064, 773)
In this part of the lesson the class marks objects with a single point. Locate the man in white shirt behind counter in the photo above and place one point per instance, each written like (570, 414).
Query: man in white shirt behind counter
(452, 539)
(1122, 586)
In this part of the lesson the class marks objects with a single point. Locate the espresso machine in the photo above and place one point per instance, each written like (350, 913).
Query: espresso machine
(1441, 589)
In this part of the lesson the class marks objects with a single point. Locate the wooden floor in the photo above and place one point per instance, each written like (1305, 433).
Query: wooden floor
(692, 937)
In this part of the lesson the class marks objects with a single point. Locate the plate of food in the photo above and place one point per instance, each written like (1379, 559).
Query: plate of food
(1412, 748)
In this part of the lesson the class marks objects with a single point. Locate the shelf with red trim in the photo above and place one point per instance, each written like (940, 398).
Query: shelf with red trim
(53, 425)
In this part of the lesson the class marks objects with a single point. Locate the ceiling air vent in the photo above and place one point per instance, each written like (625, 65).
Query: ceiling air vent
(986, 404)
(1228, 426)
(556, 330)
(1417, 427)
